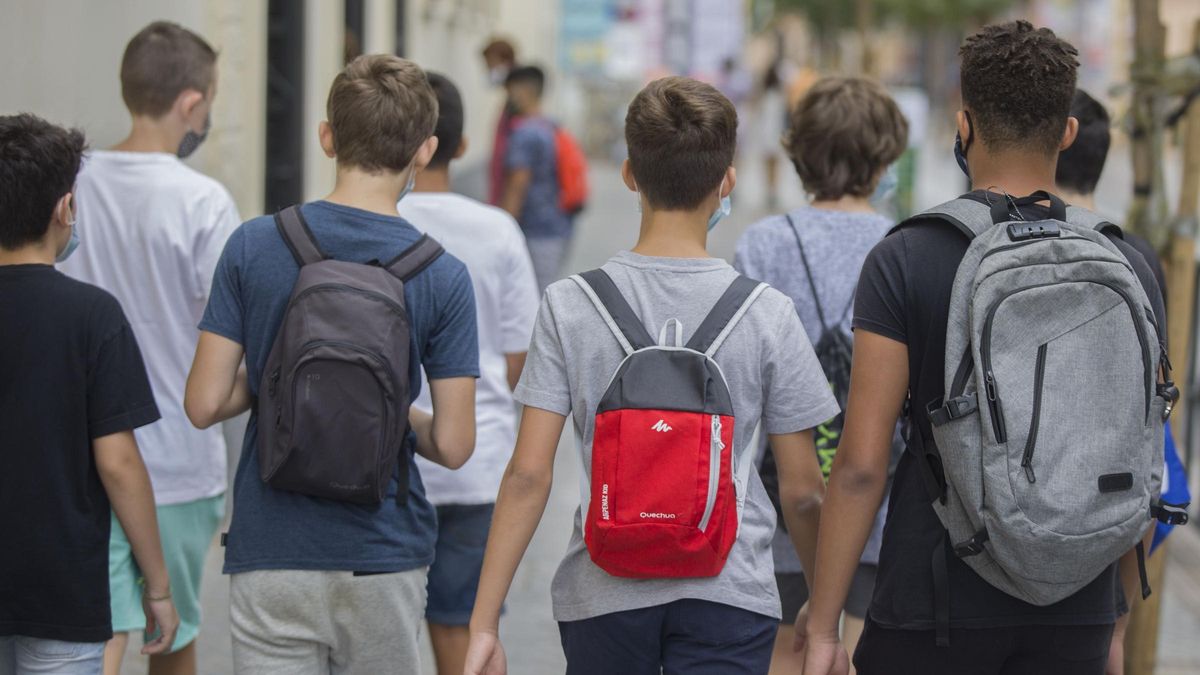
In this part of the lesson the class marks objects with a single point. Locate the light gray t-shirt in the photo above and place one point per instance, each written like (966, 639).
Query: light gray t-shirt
(774, 379)
(836, 244)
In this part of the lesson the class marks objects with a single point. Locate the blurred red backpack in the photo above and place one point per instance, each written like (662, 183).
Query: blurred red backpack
(572, 171)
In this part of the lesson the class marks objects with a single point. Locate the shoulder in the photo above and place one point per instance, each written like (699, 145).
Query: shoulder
(768, 231)
(105, 316)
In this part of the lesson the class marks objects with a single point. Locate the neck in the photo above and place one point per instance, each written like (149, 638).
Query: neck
(1017, 174)
(673, 234)
(532, 110)
(374, 192)
(1087, 201)
(150, 135)
(847, 203)
(38, 253)
(433, 180)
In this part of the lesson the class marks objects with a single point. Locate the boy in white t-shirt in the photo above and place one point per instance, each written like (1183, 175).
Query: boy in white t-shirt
(154, 229)
(490, 242)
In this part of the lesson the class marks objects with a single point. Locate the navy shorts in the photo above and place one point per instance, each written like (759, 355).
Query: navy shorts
(693, 637)
(458, 558)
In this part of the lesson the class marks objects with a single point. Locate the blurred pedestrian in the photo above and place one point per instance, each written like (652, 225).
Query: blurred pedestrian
(841, 138)
(771, 119)
(74, 389)
(643, 587)
(155, 229)
(489, 241)
(329, 571)
(499, 57)
(531, 176)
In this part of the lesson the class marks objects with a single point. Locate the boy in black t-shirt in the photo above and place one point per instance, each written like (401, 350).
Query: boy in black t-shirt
(73, 390)
(1017, 86)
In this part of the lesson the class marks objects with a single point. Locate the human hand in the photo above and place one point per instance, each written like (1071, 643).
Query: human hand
(485, 655)
(161, 618)
(800, 630)
(825, 655)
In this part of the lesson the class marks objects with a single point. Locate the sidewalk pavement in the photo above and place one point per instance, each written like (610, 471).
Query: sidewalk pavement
(528, 630)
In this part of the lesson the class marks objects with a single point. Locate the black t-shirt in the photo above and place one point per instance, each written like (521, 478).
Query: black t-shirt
(904, 294)
(70, 371)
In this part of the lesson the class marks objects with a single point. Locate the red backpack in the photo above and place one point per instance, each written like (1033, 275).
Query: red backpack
(572, 171)
(665, 498)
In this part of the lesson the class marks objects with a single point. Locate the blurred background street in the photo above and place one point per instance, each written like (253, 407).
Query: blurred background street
(279, 56)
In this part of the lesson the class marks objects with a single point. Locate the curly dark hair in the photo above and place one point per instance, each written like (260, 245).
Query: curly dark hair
(1017, 83)
(38, 163)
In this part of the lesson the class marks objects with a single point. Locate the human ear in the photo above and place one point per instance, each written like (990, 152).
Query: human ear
(325, 136)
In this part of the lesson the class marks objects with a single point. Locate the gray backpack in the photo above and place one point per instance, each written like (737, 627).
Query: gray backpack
(1046, 460)
(333, 402)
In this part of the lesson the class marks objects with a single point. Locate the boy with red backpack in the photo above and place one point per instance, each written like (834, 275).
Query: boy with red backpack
(545, 175)
(669, 565)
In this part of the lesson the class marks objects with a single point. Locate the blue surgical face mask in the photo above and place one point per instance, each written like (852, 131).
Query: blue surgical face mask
(886, 186)
(725, 207)
(72, 243)
(412, 180)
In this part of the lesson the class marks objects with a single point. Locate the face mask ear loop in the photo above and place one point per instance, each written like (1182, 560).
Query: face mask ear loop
(966, 146)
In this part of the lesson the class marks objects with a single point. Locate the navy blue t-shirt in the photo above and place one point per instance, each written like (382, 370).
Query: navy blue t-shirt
(276, 529)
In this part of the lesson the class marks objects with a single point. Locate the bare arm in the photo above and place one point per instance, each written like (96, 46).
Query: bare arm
(216, 388)
(878, 382)
(519, 507)
(447, 437)
(516, 187)
(515, 363)
(128, 486)
(801, 491)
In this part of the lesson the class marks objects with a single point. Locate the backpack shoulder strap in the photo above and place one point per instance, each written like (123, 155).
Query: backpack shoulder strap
(966, 215)
(812, 286)
(1077, 215)
(299, 239)
(725, 315)
(415, 258)
(614, 309)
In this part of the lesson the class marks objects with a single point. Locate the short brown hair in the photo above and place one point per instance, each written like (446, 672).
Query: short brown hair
(842, 135)
(381, 109)
(161, 62)
(501, 50)
(681, 135)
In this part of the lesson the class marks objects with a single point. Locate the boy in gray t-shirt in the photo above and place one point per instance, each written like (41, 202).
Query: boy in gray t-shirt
(681, 140)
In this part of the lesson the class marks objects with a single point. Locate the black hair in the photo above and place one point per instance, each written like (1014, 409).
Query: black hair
(527, 75)
(1017, 83)
(38, 164)
(449, 129)
(1080, 166)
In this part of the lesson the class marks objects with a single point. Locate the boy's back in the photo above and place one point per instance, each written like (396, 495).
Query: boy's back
(489, 242)
(274, 529)
(154, 229)
(72, 373)
(772, 377)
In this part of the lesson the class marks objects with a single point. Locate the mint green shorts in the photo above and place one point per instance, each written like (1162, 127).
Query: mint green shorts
(187, 531)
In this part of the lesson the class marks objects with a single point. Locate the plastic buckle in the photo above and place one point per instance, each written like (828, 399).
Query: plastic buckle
(953, 409)
(972, 546)
(1170, 514)
(1035, 229)
(1169, 393)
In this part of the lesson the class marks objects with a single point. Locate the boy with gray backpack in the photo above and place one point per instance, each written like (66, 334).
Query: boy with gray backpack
(337, 305)
(1026, 335)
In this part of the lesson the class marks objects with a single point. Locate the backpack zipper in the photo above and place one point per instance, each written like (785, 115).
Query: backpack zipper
(995, 407)
(715, 446)
(1031, 443)
(1009, 247)
(986, 344)
(395, 306)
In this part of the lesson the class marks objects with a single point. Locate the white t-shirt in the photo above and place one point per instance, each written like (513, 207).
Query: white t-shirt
(151, 230)
(490, 242)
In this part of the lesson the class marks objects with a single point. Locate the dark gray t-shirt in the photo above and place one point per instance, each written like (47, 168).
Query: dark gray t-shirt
(773, 377)
(836, 244)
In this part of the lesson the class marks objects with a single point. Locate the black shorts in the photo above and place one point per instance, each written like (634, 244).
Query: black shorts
(793, 592)
(1024, 650)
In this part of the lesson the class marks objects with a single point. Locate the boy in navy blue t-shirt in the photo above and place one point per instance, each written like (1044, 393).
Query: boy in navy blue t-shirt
(289, 552)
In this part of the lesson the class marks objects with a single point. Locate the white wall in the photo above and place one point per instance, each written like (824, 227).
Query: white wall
(62, 58)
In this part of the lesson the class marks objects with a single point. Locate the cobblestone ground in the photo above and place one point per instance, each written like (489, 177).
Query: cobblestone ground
(528, 631)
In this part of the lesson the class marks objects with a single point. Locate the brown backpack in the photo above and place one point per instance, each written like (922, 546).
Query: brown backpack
(333, 402)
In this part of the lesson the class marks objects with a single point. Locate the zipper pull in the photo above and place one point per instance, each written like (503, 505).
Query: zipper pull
(274, 381)
(1029, 475)
(990, 385)
(716, 431)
